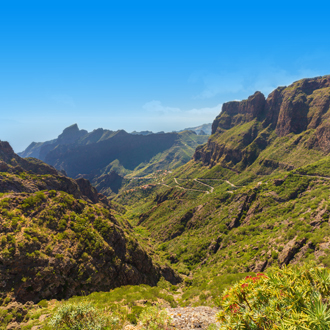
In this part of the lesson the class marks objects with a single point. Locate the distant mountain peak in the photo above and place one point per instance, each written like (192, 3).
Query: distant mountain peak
(72, 128)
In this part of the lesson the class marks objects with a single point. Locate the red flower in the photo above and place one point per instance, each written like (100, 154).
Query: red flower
(234, 308)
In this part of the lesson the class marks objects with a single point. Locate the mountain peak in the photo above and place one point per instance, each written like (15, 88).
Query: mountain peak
(71, 129)
(6, 148)
(71, 134)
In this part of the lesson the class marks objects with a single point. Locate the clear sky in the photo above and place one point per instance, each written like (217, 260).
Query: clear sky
(147, 65)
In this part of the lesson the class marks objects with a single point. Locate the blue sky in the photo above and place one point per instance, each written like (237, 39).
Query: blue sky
(147, 65)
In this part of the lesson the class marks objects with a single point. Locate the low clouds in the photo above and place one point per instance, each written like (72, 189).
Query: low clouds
(215, 84)
(157, 107)
(265, 80)
(180, 118)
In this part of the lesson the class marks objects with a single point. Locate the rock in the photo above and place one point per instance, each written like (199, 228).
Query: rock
(3, 167)
(278, 182)
(13, 326)
(43, 317)
(130, 327)
(6, 149)
(169, 275)
(215, 245)
(289, 250)
(259, 266)
(88, 190)
(232, 112)
(187, 318)
(294, 109)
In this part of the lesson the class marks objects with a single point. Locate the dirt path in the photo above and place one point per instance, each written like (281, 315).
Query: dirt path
(196, 180)
(315, 176)
(205, 191)
(230, 183)
(192, 317)
(212, 188)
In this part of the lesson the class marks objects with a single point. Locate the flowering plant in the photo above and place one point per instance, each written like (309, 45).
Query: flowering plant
(292, 298)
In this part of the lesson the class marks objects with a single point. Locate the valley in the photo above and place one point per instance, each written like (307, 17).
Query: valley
(128, 222)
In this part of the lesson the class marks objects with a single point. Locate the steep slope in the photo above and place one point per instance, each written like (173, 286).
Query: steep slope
(59, 237)
(288, 129)
(255, 195)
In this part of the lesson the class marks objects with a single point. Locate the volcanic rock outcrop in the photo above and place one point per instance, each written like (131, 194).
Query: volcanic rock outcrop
(244, 129)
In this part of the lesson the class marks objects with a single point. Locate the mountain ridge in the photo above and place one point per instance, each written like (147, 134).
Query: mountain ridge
(300, 110)
(100, 152)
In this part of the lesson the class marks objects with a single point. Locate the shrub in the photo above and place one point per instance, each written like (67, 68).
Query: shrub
(81, 316)
(153, 318)
(291, 298)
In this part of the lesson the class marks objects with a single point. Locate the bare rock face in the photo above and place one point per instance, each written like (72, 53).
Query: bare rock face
(88, 190)
(6, 151)
(289, 251)
(243, 129)
(235, 112)
(259, 266)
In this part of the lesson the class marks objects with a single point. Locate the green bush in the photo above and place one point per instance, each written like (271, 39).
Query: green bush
(153, 318)
(43, 303)
(292, 298)
(81, 316)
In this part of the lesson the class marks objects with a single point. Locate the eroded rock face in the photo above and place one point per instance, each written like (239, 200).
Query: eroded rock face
(236, 112)
(290, 250)
(243, 129)
(6, 150)
(88, 190)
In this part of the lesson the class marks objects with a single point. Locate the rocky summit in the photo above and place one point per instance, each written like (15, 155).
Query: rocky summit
(250, 129)
(245, 130)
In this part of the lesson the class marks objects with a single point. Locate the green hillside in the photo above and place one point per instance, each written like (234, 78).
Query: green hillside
(252, 205)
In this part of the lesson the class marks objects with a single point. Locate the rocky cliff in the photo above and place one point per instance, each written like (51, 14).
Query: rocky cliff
(243, 130)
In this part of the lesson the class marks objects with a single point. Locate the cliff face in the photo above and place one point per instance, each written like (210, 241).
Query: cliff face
(59, 238)
(243, 130)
